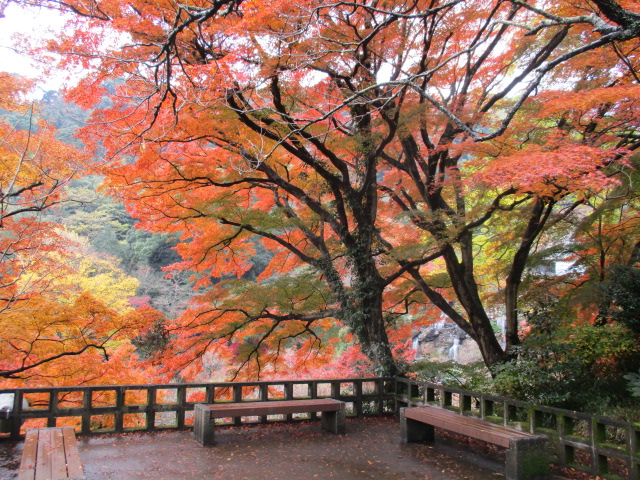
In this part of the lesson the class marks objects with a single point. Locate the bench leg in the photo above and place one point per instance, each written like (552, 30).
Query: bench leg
(528, 458)
(414, 431)
(203, 425)
(334, 422)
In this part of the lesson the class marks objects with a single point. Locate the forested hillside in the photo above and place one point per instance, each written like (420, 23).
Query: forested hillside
(101, 222)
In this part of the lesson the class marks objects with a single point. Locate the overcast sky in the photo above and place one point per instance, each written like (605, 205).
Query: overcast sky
(34, 22)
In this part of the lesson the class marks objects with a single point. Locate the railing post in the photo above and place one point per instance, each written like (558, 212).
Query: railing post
(119, 417)
(237, 393)
(17, 415)
(335, 389)
(151, 408)
(531, 418)
(264, 392)
(505, 413)
(181, 398)
(53, 408)
(85, 429)
(378, 389)
(288, 395)
(237, 397)
(288, 390)
(396, 407)
(357, 402)
(209, 396)
(264, 396)
(633, 448)
(565, 455)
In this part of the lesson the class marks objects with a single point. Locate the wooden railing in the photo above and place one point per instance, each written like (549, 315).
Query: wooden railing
(125, 408)
(597, 445)
(601, 446)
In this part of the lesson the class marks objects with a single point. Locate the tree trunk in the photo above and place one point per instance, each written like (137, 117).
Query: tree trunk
(537, 220)
(374, 341)
(476, 324)
(366, 318)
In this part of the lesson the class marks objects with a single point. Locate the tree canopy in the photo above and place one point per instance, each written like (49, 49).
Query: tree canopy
(392, 158)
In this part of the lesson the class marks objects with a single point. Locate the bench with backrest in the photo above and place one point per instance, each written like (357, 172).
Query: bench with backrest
(50, 454)
(527, 454)
(333, 414)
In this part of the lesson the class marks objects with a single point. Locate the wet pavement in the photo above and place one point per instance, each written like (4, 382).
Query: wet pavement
(371, 449)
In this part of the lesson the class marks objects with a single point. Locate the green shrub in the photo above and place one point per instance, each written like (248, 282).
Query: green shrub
(568, 365)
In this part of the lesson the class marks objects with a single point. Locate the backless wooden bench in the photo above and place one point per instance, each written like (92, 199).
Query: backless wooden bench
(527, 454)
(50, 454)
(333, 414)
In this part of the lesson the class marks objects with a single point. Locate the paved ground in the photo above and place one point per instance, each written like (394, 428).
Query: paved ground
(371, 449)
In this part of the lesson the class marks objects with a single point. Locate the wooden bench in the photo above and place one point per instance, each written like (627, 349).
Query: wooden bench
(50, 454)
(333, 414)
(527, 454)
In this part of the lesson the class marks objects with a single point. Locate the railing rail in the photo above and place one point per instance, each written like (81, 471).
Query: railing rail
(124, 408)
(601, 446)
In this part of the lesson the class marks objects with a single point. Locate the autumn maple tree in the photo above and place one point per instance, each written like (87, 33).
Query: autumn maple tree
(68, 321)
(391, 157)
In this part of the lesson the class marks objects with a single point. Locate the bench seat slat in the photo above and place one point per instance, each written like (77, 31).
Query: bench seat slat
(43, 462)
(74, 467)
(28, 465)
(471, 426)
(274, 407)
(50, 454)
(58, 459)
